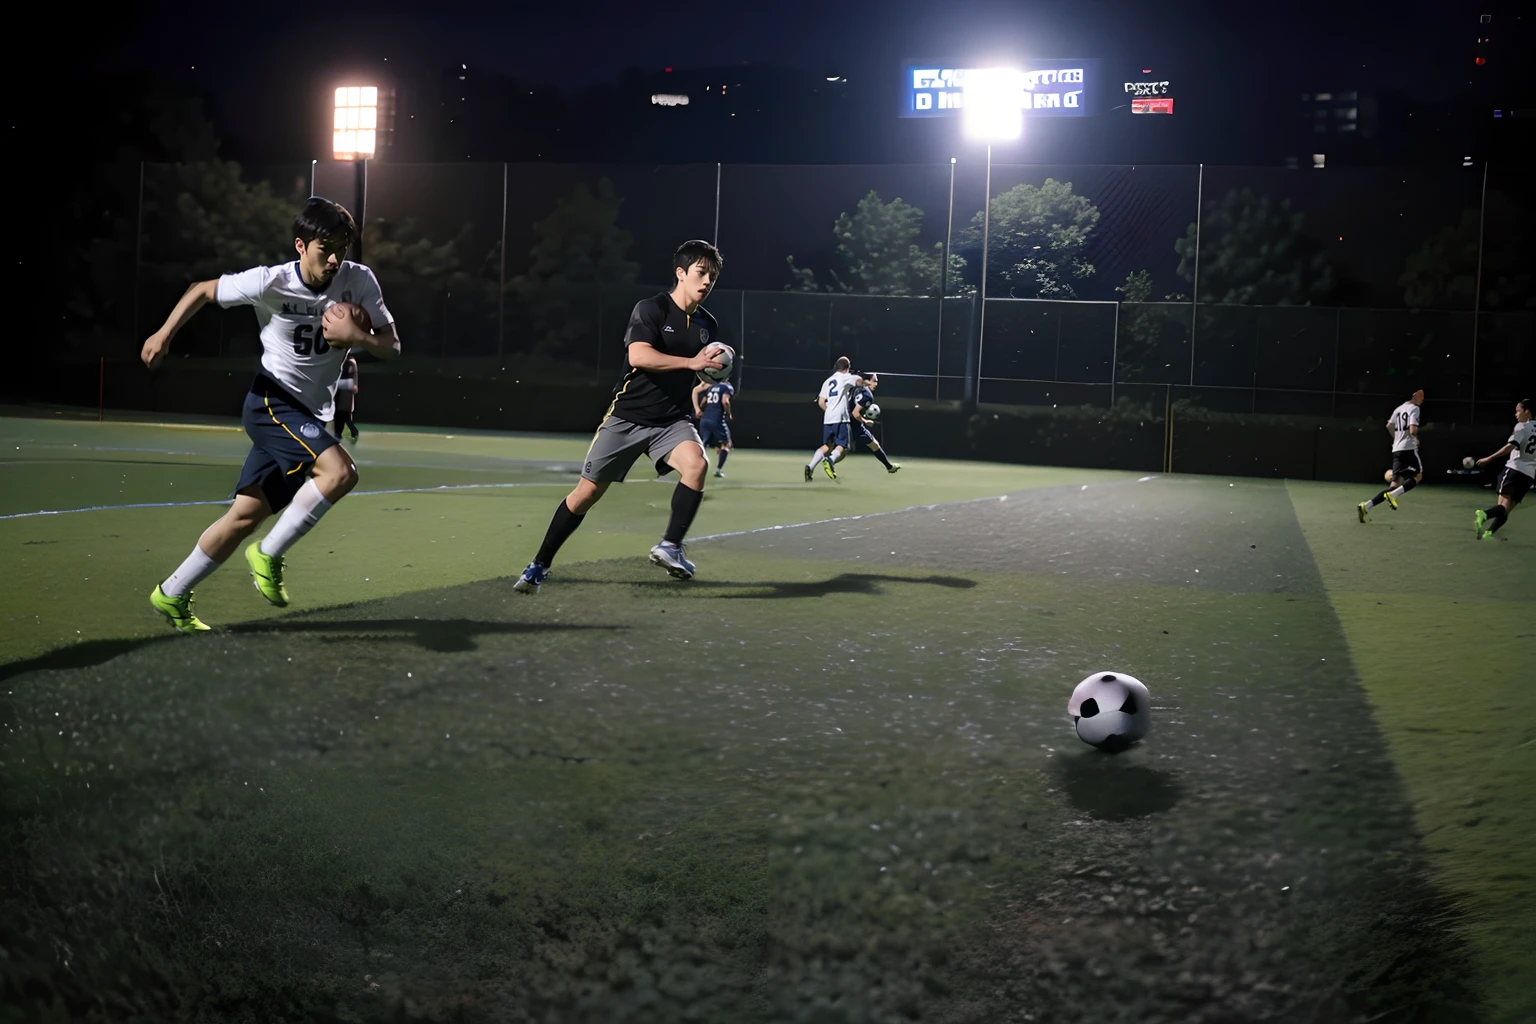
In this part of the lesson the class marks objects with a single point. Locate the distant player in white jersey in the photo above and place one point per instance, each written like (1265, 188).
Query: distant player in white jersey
(311, 311)
(1407, 467)
(833, 398)
(1519, 472)
(347, 387)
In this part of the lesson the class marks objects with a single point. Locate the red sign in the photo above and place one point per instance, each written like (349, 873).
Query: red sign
(1155, 105)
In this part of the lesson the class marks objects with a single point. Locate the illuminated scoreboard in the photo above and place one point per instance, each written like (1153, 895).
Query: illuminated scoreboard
(1052, 88)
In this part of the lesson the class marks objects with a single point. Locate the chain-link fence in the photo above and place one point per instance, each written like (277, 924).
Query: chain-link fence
(1250, 290)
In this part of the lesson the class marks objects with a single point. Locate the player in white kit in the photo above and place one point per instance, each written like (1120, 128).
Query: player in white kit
(833, 399)
(1518, 474)
(1407, 467)
(295, 466)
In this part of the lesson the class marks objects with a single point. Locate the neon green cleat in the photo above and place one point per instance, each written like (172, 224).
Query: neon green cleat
(1392, 501)
(826, 467)
(1480, 520)
(1364, 509)
(177, 610)
(267, 572)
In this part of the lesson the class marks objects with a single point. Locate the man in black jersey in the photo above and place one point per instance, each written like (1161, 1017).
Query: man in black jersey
(668, 342)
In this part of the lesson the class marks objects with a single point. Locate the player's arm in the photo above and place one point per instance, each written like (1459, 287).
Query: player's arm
(698, 393)
(645, 356)
(725, 404)
(384, 341)
(194, 299)
(1509, 446)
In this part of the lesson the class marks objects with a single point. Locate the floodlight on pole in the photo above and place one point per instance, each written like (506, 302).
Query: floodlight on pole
(993, 105)
(992, 111)
(355, 129)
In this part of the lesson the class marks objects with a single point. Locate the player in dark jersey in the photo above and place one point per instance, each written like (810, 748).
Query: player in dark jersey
(712, 408)
(666, 345)
(347, 387)
(859, 404)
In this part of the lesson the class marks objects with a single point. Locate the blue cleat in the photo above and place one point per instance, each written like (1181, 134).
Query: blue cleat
(670, 557)
(532, 578)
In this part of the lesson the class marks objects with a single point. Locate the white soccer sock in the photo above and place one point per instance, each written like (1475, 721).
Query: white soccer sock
(815, 460)
(1397, 492)
(297, 519)
(193, 571)
(836, 457)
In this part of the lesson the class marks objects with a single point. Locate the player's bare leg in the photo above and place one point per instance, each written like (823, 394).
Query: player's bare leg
(332, 477)
(173, 597)
(691, 464)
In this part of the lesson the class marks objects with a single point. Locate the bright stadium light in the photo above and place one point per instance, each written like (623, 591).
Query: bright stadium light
(993, 105)
(355, 130)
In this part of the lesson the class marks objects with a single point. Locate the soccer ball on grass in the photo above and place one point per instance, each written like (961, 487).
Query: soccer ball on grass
(1110, 710)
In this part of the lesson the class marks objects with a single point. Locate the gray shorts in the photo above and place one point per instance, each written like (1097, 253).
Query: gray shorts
(619, 443)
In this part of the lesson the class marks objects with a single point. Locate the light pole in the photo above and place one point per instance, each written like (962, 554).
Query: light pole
(355, 133)
(992, 110)
(949, 229)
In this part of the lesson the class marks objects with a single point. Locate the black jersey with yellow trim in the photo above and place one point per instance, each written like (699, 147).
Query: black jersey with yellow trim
(657, 398)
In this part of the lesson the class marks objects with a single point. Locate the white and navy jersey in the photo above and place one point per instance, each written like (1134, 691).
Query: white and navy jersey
(293, 348)
(1523, 458)
(837, 389)
(1403, 417)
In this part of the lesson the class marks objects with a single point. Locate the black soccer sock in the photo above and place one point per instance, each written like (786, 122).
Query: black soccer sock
(560, 529)
(721, 463)
(685, 505)
(880, 454)
(1496, 517)
(1408, 484)
(1378, 499)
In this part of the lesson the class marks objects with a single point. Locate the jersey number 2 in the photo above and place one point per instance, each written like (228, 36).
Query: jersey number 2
(832, 390)
(305, 340)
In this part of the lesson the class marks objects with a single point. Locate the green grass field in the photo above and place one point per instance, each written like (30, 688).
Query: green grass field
(830, 779)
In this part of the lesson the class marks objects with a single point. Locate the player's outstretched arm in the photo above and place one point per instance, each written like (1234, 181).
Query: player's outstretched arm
(644, 356)
(345, 332)
(1496, 456)
(725, 400)
(159, 343)
(698, 393)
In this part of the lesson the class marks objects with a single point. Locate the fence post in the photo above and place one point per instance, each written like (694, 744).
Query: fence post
(949, 228)
(501, 276)
(1477, 288)
(717, 205)
(1114, 357)
(138, 253)
(1194, 297)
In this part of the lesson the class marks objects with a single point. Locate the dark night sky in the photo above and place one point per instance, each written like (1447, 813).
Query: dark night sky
(575, 45)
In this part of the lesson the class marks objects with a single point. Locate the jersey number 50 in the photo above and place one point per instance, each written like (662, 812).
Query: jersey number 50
(306, 340)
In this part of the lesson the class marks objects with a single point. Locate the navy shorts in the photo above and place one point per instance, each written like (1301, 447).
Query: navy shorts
(714, 432)
(862, 433)
(286, 439)
(834, 435)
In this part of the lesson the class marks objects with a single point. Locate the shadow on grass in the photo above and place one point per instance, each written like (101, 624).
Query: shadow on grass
(846, 583)
(444, 636)
(1104, 787)
(440, 635)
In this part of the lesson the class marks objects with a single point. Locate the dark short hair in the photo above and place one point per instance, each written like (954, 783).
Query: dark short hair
(695, 251)
(842, 364)
(869, 376)
(323, 218)
(1525, 403)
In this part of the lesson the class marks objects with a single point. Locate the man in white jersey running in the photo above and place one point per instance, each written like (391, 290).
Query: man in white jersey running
(833, 399)
(295, 466)
(1407, 467)
(1519, 472)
